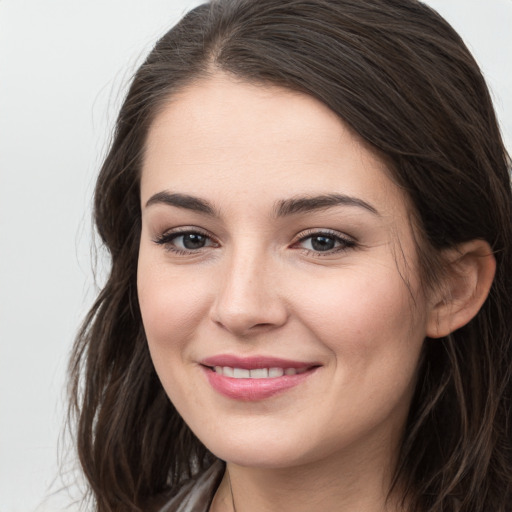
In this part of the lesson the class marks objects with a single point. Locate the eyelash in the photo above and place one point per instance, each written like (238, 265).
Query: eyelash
(167, 240)
(344, 242)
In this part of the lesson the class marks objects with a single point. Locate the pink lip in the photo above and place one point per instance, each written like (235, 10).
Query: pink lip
(254, 389)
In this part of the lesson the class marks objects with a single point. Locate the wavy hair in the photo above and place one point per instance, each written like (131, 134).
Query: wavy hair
(403, 79)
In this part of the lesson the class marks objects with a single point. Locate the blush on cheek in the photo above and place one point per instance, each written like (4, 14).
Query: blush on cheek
(371, 320)
(167, 316)
(173, 298)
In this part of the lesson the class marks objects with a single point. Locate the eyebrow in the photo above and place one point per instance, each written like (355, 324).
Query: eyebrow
(283, 208)
(183, 201)
(308, 204)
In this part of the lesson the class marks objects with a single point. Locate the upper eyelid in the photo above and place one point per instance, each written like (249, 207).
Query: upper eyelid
(184, 230)
(323, 231)
(170, 234)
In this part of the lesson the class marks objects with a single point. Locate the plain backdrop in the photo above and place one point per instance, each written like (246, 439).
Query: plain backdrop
(64, 67)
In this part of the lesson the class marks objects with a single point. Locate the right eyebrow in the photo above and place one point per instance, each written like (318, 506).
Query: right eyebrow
(183, 201)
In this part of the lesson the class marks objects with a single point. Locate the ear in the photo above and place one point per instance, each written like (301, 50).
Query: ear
(470, 271)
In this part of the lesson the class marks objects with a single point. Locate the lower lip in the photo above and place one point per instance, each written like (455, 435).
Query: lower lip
(251, 390)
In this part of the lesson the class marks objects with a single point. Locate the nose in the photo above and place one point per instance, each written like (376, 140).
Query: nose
(249, 299)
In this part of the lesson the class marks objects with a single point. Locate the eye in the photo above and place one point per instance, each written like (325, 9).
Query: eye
(190, 241)
(185, 242)
(324, 242)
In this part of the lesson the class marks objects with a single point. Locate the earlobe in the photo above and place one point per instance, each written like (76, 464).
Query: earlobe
(470, 272)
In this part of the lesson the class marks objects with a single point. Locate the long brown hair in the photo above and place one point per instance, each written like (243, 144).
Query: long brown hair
(401, 77)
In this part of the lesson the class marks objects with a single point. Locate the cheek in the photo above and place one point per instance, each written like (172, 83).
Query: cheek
(374, 334)
(171, 308)
(365, 317)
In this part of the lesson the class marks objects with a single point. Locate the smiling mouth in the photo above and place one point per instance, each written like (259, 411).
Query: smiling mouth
(256, 373)
(256, 378)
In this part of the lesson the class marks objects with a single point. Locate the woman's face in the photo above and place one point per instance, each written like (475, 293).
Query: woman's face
(277, 277)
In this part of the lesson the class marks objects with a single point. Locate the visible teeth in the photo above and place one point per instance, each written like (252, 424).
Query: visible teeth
(259, 373)
(241, 373)
(256, 373)
(275, 372)
(228, 371)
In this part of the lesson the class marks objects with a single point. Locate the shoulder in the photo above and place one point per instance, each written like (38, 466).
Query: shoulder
(196, 495)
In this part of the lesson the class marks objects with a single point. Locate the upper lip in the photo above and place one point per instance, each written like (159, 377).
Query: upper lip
(254, 362)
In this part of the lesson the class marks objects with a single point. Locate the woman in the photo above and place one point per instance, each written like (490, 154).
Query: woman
(308, 208)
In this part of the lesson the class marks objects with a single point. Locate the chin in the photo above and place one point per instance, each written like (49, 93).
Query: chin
(259, 458)
(257, 451)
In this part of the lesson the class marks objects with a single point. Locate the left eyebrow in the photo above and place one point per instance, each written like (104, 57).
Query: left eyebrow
(308, 204)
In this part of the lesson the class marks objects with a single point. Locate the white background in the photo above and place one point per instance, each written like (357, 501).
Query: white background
(64, 66)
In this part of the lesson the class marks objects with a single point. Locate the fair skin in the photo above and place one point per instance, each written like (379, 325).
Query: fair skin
(237, 261)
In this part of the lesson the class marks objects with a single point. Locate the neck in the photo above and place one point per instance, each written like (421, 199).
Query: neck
(333, 485)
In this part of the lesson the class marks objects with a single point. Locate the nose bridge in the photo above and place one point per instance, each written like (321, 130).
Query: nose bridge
(248, 297)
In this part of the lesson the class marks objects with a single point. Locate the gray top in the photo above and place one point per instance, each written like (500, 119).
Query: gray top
(196, 495)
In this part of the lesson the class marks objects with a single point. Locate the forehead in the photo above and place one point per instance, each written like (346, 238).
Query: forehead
(222, 137)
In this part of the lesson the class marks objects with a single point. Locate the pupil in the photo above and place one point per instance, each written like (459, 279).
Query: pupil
(194, 241)
(322, 243)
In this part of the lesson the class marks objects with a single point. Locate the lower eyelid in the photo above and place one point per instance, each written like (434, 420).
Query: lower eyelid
(343, 245)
